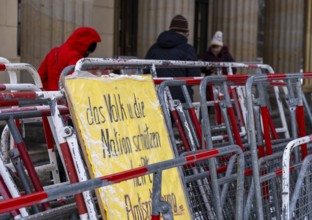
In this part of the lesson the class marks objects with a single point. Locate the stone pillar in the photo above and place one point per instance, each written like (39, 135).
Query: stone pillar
(308, 37)
(8, 30)
(103, 20)
(283, 34)
(307, 83)
(8, 36)
(238, 20)
(48, 23)
(155, 17)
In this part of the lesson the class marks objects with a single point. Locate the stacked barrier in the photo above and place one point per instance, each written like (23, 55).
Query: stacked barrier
(238, 162)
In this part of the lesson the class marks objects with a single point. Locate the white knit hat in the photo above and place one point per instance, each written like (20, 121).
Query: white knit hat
(217, 39)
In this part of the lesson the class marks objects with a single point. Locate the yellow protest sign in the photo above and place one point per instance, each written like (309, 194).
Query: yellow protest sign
(121, 126)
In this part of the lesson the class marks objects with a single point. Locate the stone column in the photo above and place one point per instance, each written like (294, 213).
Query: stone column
(283, 34)
(8, 36)
(48, 23)
(308, 37)
(155, 17)
(8, 30)
(238, 20)
(307, 83)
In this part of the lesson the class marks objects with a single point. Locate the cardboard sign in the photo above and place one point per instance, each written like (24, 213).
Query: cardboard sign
(121, 126)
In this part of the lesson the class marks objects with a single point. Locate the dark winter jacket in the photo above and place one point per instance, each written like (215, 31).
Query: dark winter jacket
(67, 54)
(173, 46)
(223, 56)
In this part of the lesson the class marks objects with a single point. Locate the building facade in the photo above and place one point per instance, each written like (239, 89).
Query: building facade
(277, 31)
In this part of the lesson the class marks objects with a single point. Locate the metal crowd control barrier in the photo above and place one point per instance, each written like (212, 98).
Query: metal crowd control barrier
(212, 183)
(252, 130)
(68, 145)
(5, 143)
(240, 79)
(296, 197)
(158, 206)
(100, 63)
(169, 64)
(13, 67)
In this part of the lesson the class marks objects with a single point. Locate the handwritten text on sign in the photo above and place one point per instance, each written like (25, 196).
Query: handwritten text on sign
(122, 127)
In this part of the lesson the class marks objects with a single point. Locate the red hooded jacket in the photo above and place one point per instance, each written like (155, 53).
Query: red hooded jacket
(67, 54)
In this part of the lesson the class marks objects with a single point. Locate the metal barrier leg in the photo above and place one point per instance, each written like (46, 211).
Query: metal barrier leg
(51, 152)
(69, 163)
(178, 123)
(159, 206)
(253, 144)
(238, 107)
(226, 122)
(53, 130)
(187, 127)
(16, 161)
(189, 123)
(278, 213)
(230, 117)
(207, 137)
(7, 178)
(193, 118)
(228, 173)
(26, 159)
(81, 171)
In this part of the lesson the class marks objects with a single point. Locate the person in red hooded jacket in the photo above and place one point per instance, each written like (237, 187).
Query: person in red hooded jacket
(80, 44)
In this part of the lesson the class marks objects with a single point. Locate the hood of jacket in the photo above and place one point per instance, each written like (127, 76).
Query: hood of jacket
(81, 39)
(169, 39)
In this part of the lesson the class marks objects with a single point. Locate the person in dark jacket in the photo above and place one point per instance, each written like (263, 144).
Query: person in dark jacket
(217, 52)
(172, 45)
(80, 44)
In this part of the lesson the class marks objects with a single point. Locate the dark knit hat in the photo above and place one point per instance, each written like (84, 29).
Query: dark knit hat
(179, 23)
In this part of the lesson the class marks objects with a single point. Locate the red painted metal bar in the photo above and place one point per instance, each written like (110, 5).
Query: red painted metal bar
(271, 124)
(23, 201)
(268, 146)
(31, 170)
(155, 217)
(39, 197)
(2, 67)
(218, 113)
(196, 124)
(43, 112)
(176, 119)
(13, 96)
(266, 130)
(237, 136)
(238, 108)
(72, 175)
(6, 195)
(125, 175)
(301, 129)
(9, 103)
(261, 151)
